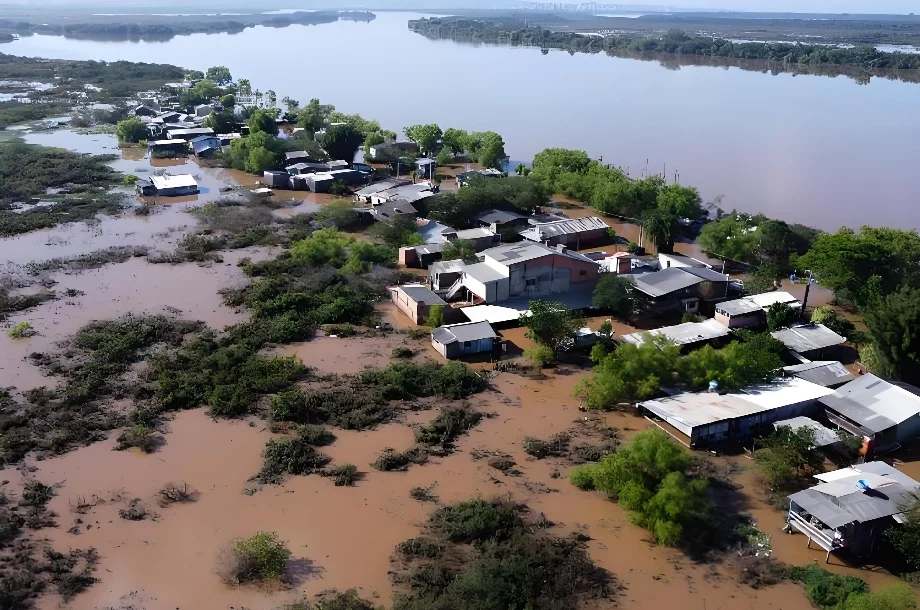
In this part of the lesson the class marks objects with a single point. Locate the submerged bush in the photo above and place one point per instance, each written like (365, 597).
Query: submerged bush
(290, 456)
(825, 589)
(260, 557)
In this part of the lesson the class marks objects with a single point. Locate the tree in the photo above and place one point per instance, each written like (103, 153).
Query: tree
(219, 74)
(342, 142)
(906, 537)
(365, 126)
(397, 232)
(656, 226)
(131, 130)
(314, 116)
(372, 140)
(763, 278)
(454, 140)
(222, 121)
(788, 455)
(271, 98)
(540, 355)
(738, 365)
(290, 104)
(519, 169)
(203, 91)
(260, 159)
(491, 150)
(262, 122)
(435, 316)
(444, 157)
(680, 201)
(615, 292)
(646, 478)
(459, 249)
(630, 372)
(781, 315)
(828, 316)
(339, 213)
(244, 87)
(550, 323)
(733, 236)
(426, 136)
(894, 327)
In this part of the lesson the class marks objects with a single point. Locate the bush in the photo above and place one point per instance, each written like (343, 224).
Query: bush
(758, 572)
(557, 445)
(827, 590)
(788, 455)
(172, 493)
(390, 459)
(583, 477)
(256, 559)
(343, 475)
(21, 331)
(140, 436)
(476, 520)
(449, 424)
(402, 352)
(131, 130)
(540, 355)
(893, 597)
(435, 316)
(291, 456)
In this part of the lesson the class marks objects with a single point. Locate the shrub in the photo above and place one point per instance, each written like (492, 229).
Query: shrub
(291, 456)
(176, 492)
(827, 590)
(449, 424)
(758, 572)
(897, 596)
(435, 316)
(258, 558)
(476, 520)
(555, 446)
(402, 352)
(540, 355)
(21, 331)
(140, 436)
(134, 511)
(343, 475)
(788, 455)
(390, 459)
(583, 477)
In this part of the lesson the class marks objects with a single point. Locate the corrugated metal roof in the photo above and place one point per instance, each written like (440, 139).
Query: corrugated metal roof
(510, 254)
(808, 337)
(569, 226)
(465, 331)
(874, 403)
(825, 372)
(497, 216)
(667, 281)
(765, 299)
(738, 307)
(682, 334)
(474, 233)
(446, 266)
(823, 435)
(482, 272)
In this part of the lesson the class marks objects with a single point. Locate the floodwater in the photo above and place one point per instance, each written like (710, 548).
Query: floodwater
(812, 149)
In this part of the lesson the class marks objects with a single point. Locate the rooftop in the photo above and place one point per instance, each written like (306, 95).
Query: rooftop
(446, 266)
(824, 372)
(690, 410)
(510, 254)
(808, 337)
(396, 207)
(173, 182)
(377, 187)
(420, 294)
(190, 132)
(873, 403)
(756, 302)
(569, 226)
(425, 248)
(685, 260)
(839, 500)
(409, 192)
(494, 314)
(666, 281)
(682, 334)
(465, 331)
(824, 436)
(497, 216)
(766, 299)
(705, 273)
(476, 233)
(483, 273)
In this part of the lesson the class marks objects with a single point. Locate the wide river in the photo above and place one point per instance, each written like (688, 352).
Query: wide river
(811, 149)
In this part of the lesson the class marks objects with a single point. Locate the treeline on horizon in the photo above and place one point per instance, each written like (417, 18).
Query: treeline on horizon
(674, 42)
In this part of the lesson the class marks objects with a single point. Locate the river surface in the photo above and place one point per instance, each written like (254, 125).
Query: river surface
(811, 149)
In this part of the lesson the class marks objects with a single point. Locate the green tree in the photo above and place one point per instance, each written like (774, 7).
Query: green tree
(615, 292)
(763, 278)
(679, 201)
(550, 323)
(244, 87)
(342, 142)
(459, 249)
(291, 105)
(339, 213)
(365, 126)
(491, 150)
(260, 159)
(630, 372)
(202, 92)
(738, 365)
(454, 140)
(397, 232)
(519, 169)
(906, 537)
(228, 101)
(733, 236)
(435, 316)
(788, 455)
(828, 316)
(372, 140)
(262, 122)
(426, 136)
(314, 116)
(271, 98)
(646, 478)
(131, 130)
(656, 227)
(540, 355)
(781, 315)
(222, 121)
(444, 157)
(219, 74)
(894, 328)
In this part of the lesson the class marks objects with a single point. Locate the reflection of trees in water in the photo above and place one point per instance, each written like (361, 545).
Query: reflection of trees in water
(861, 75)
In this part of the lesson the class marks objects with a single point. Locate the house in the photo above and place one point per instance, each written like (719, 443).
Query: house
(390, 150)
(204, 110)
(205, 146)
(299, 156)
(870, 407)
(277, 179)
(420, 256)
(710, 417)
(751, 311)
(464, 339)
(432, 231)
(829, 373)
(167, 147)
(810, 341)
(364, 195)
(319, 182)
(188, 134)
(406, 192)
(576, 233)
(442, 274)
(689, 334)
(681, 289)
(145, 110)
(168, 186)
(338, 164)
(350, 177)
(304, 167)
(425, 168)
(391, 209)
(666, 261)
(496, 220)
(463, 179)
(416, 300)
(481, 238)
(851, 508)
(524, 269)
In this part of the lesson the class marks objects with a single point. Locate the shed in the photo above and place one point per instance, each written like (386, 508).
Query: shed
(574, 232)
(169, 186)
(873, 408)
(416, 300)
(809, 340)
(205, 146)
(319, 182)
(496, 219)
(277, 179)
(710, 417)
(690, 334)
(167, 146)
(303, 168)
(464, 339)
(391, 209)
(188, 134)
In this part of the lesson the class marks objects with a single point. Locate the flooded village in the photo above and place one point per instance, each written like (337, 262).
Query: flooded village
(269, 355)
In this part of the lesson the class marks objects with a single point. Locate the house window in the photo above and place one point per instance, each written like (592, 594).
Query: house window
(467, 346)
(582, 273)
(530, 281)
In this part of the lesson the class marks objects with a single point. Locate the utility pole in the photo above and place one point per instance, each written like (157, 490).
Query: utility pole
(810, 279)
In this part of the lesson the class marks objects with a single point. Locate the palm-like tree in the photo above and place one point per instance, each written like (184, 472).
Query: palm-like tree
(520, 169)
(656, 226)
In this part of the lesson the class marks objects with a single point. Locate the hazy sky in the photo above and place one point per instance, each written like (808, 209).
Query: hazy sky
(801, 6)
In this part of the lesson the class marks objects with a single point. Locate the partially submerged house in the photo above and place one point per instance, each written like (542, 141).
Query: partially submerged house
(188, 134)
(277, 179)
(304, 168)
(882, 412)
(851, 508)
(464, 339)
(389, 210)
(525, 269)
(576, 233)
(710, 417)
(407, 192)
(168, 186)
(391, 150)
(416, 301)
(364, 195)
(810, 341)
(205, 146)
(681, 289)
(687, 335)
(425, 168)
(167, 147)
(751, 311)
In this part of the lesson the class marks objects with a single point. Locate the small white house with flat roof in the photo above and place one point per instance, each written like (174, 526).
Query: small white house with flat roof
(465, 339)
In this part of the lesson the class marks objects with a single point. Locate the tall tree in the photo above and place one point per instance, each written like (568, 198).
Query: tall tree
(680, 201)
(454, 140)
(781, 315)
(228, 102)
(290, 104)
(550, 323)
(615, 292)
(426, 136)
(262, 122)
(894, 327)
(656, 226)
(491, 150)
(131, 130)
(244, 86)
(219, 74)
(271, 98)
(342, 142)
(314, 116)
(223, 121)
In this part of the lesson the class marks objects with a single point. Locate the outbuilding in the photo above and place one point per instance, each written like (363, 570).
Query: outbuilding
(465, 339)
(168, 186)
(811, 341)
(576, 233)
(687, 335)
(416, 301)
